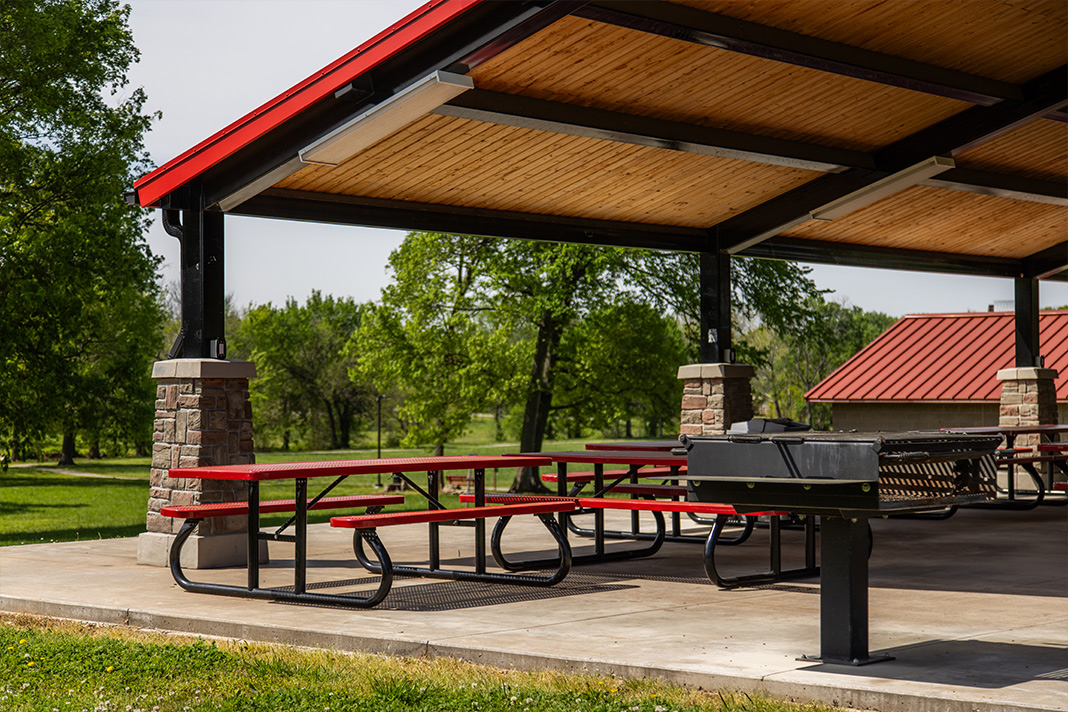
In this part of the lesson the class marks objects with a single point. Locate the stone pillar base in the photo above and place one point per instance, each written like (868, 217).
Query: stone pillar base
(1028, 397)
(203, 417)
(200, 552)
(714, 396)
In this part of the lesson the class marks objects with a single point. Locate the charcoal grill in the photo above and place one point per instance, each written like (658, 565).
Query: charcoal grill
(845, 478)
(845, 474)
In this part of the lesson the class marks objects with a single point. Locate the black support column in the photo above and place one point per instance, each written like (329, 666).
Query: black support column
(1027, 343)
(203, 285)
(716, 308)
(844, 592)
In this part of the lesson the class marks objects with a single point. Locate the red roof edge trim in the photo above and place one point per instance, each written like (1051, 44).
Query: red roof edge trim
(188, 165)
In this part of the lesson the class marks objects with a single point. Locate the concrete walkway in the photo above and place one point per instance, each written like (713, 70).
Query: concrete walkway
(974, 609)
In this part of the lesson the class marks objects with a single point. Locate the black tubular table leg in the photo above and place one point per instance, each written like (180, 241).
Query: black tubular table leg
(844, 593)
(279, 594)
(435, 538)
(480, 524)
(253, 535)
(300, 546)
(598, 515)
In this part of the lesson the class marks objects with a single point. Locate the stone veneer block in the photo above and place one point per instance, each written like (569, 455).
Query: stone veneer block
(1027, 374)
(715, 395)
(715, 370)
(203, 417)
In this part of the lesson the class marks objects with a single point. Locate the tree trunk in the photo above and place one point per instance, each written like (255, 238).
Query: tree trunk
(539, 401)
(344, 424)
(329, 407)
(94, 450)
(66, 453)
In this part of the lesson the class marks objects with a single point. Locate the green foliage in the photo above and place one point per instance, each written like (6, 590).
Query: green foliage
(778, 295)
(77, 280)
(617, 366)
(797, 361)
(302, 394)
(435, 338)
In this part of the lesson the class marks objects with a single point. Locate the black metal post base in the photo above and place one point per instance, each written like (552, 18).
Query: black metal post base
(855, 662)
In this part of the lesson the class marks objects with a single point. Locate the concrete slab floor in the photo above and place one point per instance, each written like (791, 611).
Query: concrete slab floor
(974, 609)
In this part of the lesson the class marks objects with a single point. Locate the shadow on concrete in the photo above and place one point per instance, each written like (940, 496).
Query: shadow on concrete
(965, 663)
(412, 594)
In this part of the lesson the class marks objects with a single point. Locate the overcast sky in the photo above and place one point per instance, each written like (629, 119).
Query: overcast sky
(206, 63)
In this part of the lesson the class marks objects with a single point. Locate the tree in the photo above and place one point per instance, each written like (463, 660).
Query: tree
(77, 280)
(799, 359)
(303, 369)
(618, 364)
(434, 337)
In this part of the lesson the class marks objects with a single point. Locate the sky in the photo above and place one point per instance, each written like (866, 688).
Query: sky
(206, 63)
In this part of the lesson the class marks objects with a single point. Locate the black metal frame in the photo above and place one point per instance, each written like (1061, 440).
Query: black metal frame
(298, 593)
(775, 573)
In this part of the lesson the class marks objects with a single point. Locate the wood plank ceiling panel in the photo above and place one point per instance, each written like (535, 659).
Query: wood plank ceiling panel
(452, 161)
(921, 218)
(584, 62)
(1007, 40)
(1036, 150)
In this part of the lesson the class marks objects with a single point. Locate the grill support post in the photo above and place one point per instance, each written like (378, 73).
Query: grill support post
(844, 592)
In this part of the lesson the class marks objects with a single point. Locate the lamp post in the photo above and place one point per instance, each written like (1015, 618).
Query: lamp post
(378, 400)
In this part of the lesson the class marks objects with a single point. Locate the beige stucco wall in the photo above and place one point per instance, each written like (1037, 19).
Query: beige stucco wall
(918, 416)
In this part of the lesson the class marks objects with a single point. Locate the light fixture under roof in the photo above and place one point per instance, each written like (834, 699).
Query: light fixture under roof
(880, 189)
(385, 118)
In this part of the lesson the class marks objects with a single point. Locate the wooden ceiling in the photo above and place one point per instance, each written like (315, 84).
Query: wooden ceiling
(710, 125)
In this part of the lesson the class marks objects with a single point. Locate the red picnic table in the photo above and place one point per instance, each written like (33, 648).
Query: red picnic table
(1053, 453)
(301, 472)
(656, 499)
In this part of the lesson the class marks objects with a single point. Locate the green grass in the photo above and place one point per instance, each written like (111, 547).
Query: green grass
(38, 506)
(48, 665)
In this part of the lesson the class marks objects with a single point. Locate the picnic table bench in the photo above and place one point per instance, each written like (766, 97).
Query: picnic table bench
(365, 524)
(656, 499)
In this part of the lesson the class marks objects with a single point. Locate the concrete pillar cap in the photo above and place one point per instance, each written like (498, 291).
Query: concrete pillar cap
(203, 368)
(716, 370)
(1029, 373)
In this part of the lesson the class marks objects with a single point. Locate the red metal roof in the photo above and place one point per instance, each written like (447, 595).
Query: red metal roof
(942, 357)
(324, 83)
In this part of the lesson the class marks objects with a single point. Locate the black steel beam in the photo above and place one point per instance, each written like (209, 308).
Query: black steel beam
(712, 30)
(715, 281)
(852, 255)
(575, 120)
(404, 215)
(959, 132)
(1002, 186)
(1050, 263)
(470, 39)
(1028, 348)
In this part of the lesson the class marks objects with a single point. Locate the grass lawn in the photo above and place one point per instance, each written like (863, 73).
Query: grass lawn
(48, 665)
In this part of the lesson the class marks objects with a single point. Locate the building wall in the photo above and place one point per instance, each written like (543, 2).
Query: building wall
(918, 416)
